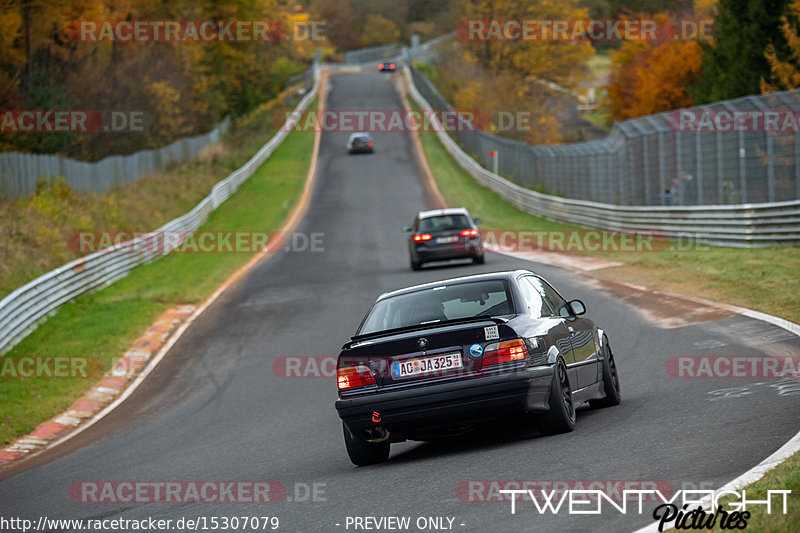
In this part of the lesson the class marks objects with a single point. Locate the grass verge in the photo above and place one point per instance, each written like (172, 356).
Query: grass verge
(785, 477)
(104, 324)
(764, 279)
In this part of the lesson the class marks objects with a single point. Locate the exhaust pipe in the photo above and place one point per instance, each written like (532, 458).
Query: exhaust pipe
(376, 434)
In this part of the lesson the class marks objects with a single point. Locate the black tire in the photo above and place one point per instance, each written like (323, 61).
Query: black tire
(478, 260)
(610, 380)
(561, 416)
(415, 265)
(364, 453)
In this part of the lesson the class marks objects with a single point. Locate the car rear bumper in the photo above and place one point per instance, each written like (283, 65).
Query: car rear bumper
(431, 407)
(443, 252)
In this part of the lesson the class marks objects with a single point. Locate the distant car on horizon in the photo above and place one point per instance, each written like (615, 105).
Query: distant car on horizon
(387, 67)
(443, 234)
(360, 142)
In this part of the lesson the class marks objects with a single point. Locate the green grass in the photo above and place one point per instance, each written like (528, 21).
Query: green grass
(764, 279)
(784, 477)
(599, 118)
(104, 324)
(599, 65)
(35, 230)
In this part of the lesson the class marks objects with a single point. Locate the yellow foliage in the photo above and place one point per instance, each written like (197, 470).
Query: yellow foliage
(786, 72)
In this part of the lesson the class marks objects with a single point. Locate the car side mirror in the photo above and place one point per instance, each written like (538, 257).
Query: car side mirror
(477, 221)
(577, 307)
(406, 228)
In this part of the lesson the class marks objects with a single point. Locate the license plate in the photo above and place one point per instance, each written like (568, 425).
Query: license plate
(425, 365)
(445, 240)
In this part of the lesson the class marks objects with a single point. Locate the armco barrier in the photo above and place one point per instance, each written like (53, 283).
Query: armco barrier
(22, 310)
(742, 225)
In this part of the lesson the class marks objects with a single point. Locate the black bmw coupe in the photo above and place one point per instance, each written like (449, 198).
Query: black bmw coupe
(436, 358)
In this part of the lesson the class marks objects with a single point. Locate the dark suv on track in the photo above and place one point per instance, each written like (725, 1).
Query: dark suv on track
(443, 234)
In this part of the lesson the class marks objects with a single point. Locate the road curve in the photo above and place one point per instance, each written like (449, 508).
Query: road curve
(215, 410)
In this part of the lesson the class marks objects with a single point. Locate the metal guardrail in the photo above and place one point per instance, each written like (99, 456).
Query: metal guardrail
(23, 309)
(742, 225)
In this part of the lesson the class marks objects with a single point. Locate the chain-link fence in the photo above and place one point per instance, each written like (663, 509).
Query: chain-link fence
(376, 53)
(20, 173)
(731, 152)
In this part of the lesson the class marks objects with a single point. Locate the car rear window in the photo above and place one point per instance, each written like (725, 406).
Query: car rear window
(444, 223)
(439, 304)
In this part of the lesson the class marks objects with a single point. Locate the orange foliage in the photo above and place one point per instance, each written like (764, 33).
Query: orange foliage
(651, 78)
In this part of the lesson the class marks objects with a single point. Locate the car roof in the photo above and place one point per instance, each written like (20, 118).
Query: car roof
(359, 134)
(440, 212)
(508, 275)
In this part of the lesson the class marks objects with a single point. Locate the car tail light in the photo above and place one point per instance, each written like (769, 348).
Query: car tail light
(504, 352)
(354, 376)
(422, 237)
(391, 66)
(469, 233)
(369, 143)
(380, 66)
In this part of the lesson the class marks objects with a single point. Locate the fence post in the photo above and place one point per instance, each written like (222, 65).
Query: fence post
(661, 178)
(698, 149)
(742, 171)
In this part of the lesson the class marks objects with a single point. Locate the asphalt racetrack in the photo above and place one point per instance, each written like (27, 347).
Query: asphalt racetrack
(215, 410)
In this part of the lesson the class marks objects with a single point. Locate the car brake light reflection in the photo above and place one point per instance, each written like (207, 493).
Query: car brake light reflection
(504, 352)
(354, 376)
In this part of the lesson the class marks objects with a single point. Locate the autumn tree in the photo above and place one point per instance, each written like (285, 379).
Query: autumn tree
(559, 61)
(379, 31)
(735, 62)
(647, 79)
(183, 87)
(785, 74)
